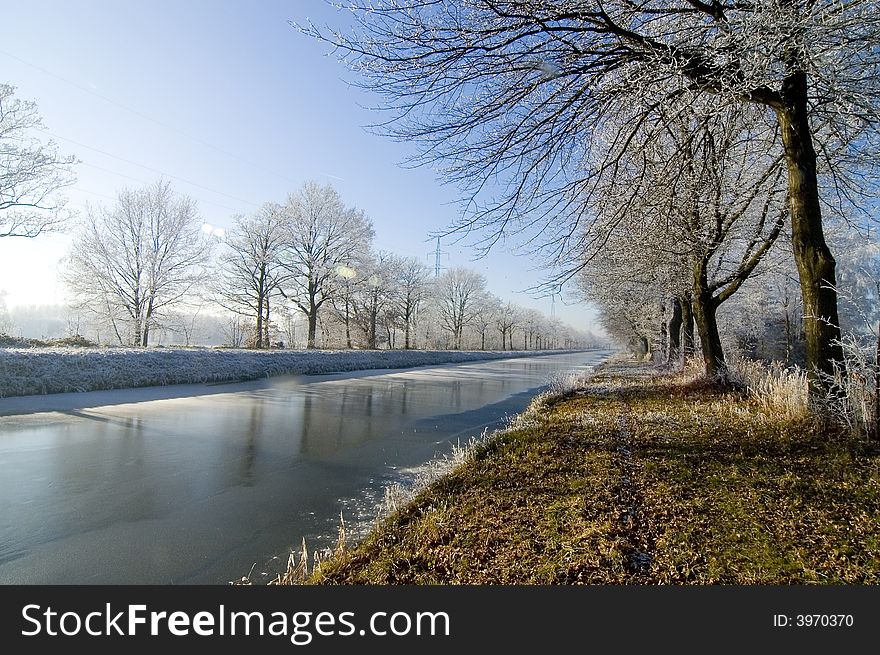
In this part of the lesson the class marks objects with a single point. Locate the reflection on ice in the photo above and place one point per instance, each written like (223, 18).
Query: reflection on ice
(194, 489)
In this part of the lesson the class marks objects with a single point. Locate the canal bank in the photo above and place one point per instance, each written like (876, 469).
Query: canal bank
(42, 371)
(638, 477)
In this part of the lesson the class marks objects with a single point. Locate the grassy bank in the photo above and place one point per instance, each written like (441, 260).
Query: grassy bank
(643, 479)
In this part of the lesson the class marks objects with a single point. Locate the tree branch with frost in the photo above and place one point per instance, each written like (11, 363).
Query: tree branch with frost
(32, 173)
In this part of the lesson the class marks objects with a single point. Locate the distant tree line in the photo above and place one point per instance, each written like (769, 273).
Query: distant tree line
(147, 269)
(138, 267)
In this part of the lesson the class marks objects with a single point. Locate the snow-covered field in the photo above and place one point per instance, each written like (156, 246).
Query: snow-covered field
(29, 371)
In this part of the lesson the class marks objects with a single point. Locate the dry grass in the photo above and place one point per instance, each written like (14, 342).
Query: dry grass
(779, 390)
(639, 479)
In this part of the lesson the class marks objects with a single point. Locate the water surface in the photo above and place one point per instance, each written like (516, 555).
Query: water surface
(200, 489)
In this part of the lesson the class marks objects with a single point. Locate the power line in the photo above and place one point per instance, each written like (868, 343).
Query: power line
(94, 193)
(107, 170)
(150, 118)
(140, 181)
(149, 168)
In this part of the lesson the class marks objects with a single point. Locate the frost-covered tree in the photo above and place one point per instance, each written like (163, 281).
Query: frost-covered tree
(458, 292)
(6, 323)
(859, 280)
(412, 283)
(351, 276)
(250, 273)
(542, 97)
(532, 320)
(133, 261)
(629, 300)
(324, 235)
(32, 173)
(485, 317)
(859, 286)
(375, 296)
(702, 203)
(506, 319)
(638, 270)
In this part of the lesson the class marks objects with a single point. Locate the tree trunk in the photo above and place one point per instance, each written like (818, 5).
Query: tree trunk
(313, 328)
(662, 344)
(371, 337)
(704, 308)
(675, 322)
(347, 318)
(815, 264)
(789, 340)
(266, 342)
(406, 335)
(877, 386)
(707, 328)
(687, 326)
(261, 299)
(147, 320)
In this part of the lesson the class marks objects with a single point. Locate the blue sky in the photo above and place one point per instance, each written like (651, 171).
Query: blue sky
(232, 105)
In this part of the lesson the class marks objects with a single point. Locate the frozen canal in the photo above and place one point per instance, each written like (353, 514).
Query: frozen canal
(119, 488)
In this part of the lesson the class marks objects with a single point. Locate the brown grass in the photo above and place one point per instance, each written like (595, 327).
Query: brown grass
(638, 479)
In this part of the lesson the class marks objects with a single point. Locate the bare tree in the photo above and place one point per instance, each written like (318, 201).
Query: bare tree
(506, 320)
(324, 235)
(251, 271)
(412, 283)
(531, 325)
(187, 323)
(31, 173)
(485, 316)
(523, 91)
(706, 195)
(6, 323)
(353, 274)
(375, 295)
(458, 292)
(289, 317)
(133, 261)
(629, 303)
(234, 331)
